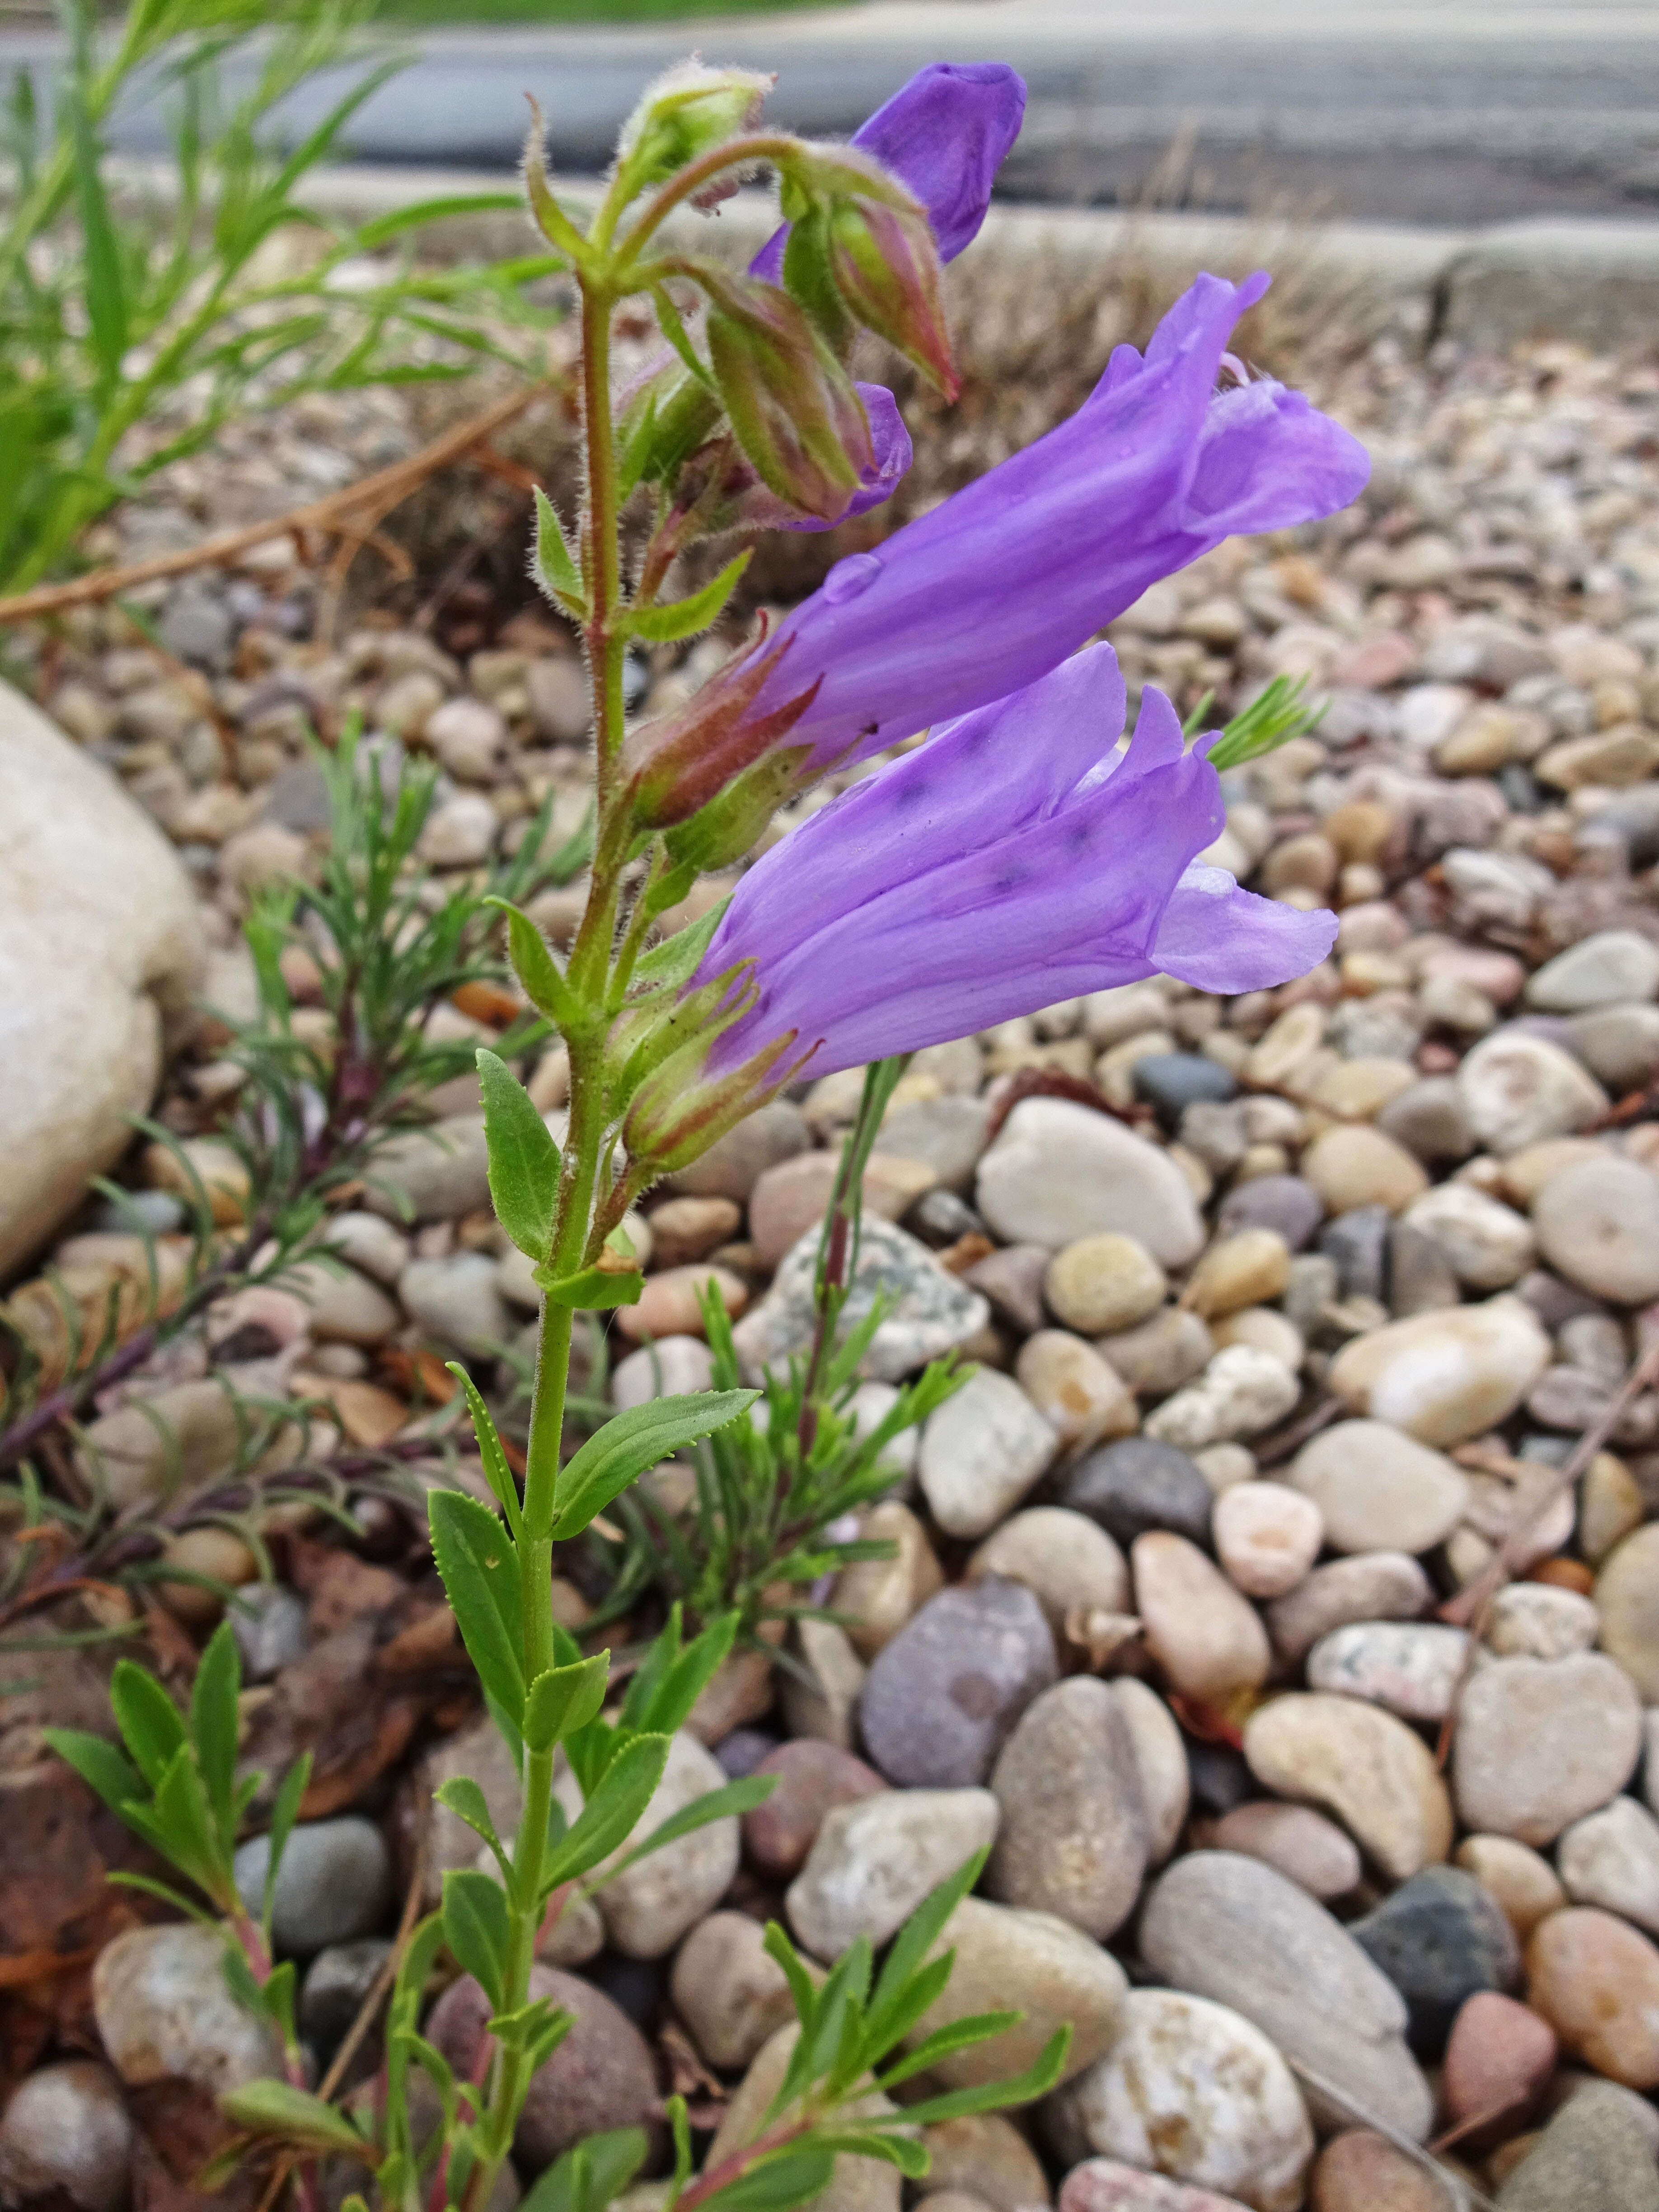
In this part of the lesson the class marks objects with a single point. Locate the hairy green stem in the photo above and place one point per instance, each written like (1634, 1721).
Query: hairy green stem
(576, 1230)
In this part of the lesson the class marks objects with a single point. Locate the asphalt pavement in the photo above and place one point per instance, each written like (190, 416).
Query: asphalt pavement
(1465, 112)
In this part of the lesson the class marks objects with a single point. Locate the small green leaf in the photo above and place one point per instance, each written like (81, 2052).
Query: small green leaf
(98, 1765)
(556, 568)
(592, 1290)
(912, 2159)
(524, 1160)
(955, 2035)
(537, 970)
(664, 625)
(150, 1721)
(733, 1797)
(993, 2096)
(589, 2175)
(276, 2108)
(497, 1472)
(476, 1558)
(476, 1927)
(564, 1700)
(671, 963)
(915, 1940)
(777, 2183)
(779, 1947)
(466, 1802)
(213, 1724)
(632, 1442)
(610, 1814)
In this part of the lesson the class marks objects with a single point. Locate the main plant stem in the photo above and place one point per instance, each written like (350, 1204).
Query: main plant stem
(575, 1231)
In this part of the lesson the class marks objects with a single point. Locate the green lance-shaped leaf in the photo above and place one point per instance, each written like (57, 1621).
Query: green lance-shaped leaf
(151, 1725)
(480, 1571)
(777, 2183)
(556, 569)
(98, 1765)
(524, 1160)
(732, 1800)
(632, 1443)
(213, 1726)
(476, 1927)
(1038, 2078)
(666, 625)
(294, 2116)
(537, 970)
(466, 1802)
(609, 1817)
(497, 1472)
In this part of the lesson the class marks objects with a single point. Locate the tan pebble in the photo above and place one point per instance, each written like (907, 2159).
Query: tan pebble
(1267, 1537)
(878, 1596)
(1307, 862)
(211, 1551)
(220, 1168)
(1596, 1982)
(1444, 1376)
(670, 1302)
(1247, 1269)
(1065, 1559)
(1268, 1330)
(1524, 1883)
(1627, 1598)
(1371, 1771)
(1359, 2172)
(1359, 1089)
(1224, 1465)
(988, 2155)
(689, 1229)
(1103, 1284)
(1356, 1166)
(1525, 1173)
(1360, 829)
(1288, 1046)
(1161, 1354)
(1207, 1638)
(1610, 1505)
(1076, 1390)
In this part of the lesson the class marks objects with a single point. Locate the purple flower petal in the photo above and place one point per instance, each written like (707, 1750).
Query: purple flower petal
(944, 135)
(1015, 859)
(981, 596)
(1218, 938)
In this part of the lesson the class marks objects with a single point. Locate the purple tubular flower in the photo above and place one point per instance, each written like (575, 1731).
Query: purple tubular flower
(1016, 859)
(944, 135)
(991, 589)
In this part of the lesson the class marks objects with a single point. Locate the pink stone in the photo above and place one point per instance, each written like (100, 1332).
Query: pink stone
(1497, 975)
(1370, 664)
(813, 1777)
(1101, 2185)
(1498, 2061)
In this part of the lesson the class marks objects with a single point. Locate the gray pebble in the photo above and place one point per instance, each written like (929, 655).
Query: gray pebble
(1281, 1202)
(334, 1883)
(1138, 1484)
(941, 1699)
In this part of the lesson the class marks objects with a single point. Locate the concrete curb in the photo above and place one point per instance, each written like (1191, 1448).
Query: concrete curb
(1593, 279)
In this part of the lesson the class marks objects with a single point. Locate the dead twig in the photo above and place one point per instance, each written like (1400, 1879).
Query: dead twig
(333, 515)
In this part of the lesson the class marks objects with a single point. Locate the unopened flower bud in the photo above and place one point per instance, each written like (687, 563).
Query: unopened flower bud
(885, 268)
(685, 114)
(793, 409)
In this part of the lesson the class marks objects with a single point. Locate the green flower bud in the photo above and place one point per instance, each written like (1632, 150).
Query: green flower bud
(685, 114)
(793, 409)
(885, 267)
